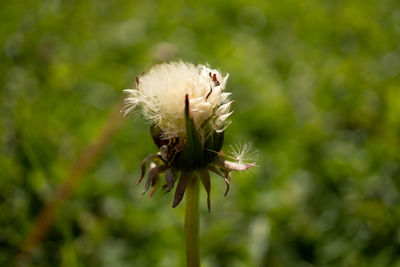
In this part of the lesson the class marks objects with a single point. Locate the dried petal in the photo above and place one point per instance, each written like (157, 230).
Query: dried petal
(152, 175)
(144, 165)
(154, 185)
(226, 178)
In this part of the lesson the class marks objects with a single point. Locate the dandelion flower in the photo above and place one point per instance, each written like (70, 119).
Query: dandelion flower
(189, 111)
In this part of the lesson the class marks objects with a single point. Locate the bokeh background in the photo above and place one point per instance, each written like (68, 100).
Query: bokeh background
(317, 91)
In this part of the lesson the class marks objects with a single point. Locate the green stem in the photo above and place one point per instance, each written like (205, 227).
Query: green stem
(192, 222)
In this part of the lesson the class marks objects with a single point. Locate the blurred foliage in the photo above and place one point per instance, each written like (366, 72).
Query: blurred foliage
(317, 90)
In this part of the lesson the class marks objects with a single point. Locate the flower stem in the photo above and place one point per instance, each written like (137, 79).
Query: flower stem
(192, 222)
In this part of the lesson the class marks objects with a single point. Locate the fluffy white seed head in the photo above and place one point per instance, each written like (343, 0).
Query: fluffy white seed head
(160, 93)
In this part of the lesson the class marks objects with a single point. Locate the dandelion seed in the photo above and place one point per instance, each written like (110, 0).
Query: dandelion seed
(243, 153)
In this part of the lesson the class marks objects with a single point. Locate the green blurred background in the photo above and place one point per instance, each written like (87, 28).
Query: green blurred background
(317, 90)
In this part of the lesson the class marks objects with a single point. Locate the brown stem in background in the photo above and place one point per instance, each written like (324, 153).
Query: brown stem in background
(89, 155)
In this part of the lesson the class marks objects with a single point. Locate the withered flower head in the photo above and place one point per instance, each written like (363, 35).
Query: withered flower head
(188, 111)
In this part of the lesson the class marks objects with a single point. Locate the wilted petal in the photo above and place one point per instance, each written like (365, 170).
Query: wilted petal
(152, 175)
(144, 165)
(226, 178)
(154, 185)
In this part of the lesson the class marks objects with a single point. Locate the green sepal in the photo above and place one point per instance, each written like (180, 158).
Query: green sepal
(212, 146)
(205, 179)
(191, 156)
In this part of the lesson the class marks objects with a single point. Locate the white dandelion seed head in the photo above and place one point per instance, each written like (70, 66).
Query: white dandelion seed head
(160, 94)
